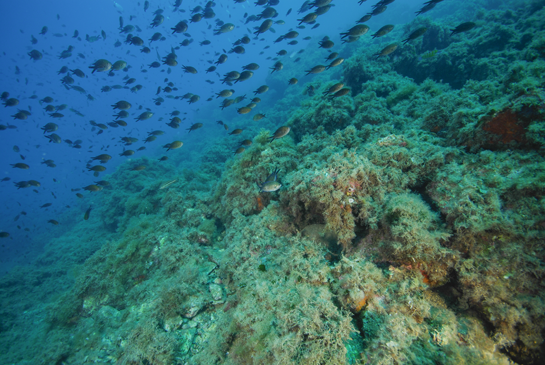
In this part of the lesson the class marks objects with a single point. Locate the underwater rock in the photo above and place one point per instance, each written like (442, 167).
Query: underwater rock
(186, 340)
(505, 125)
(320, 234)
(357, 300)
(173, 323)
(91, 304)
(109, 315)
(195, 307)
(217, 293)
(509, 126)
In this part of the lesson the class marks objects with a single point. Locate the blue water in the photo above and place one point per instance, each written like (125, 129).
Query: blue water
(40, 78)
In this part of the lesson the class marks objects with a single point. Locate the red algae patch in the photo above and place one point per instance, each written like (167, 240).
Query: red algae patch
(507, 126)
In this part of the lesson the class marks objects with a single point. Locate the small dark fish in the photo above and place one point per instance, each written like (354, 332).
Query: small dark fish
(333, 89)
(386, 50)
(316, 69)
(280, 132)
(340, 93)
(11, 102)
(305, 7)
(464, 27)
(20, 165)
(35, 55)
(270, 184)
(332, 56)
(309, 18)
(87, 213)
(378, 10)
(326, 43)
(383, 31)
(355, 31)
(194, 127)
(167, 184)
(189, 69)
(97, 168)
(54, 138)
(336, 62)
(127, 153)
(364, 18)
(174, 145)
(426, 8)
(416, 34)
(93, 188)
(145, 116)
(278, 66)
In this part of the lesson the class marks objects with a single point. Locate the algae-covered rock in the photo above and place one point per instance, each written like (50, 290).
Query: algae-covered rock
(217, 293)
(408, 226)
(193, 307)
(110, 316)
(320, 234)
(172, 323)
(237, 188)
(186, 338)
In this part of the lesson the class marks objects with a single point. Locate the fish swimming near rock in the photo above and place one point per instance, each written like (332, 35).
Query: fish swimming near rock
(464, 27)
(87, 213)
(280, 132)
(430, 54)
(167, 184)
(270, 184)
(386, 50)
(416, 34)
